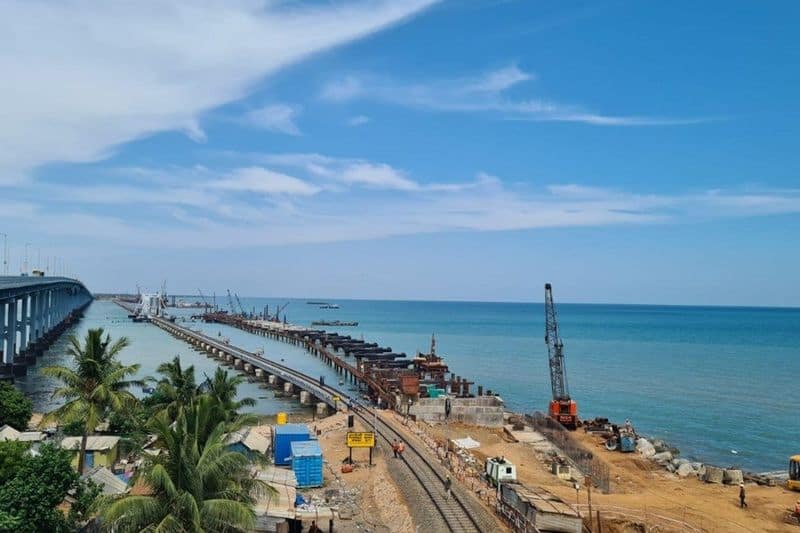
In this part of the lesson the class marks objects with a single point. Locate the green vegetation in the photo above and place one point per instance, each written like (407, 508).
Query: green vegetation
(95, 387)
(15, 407)
(36, 486)
(197, 484)
(12, 453)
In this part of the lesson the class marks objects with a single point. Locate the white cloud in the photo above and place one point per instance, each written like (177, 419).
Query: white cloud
(207, 208)
(358, 120)
(275, 117)
(481, 94)
(263, 181)
(357, 172)
(83, 77)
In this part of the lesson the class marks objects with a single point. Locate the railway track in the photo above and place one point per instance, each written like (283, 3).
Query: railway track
(454, 511)
(457, 513)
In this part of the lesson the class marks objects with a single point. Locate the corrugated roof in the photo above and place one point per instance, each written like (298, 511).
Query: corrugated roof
(304, 448)
(255, 438)
(94, 443)
(9, 433)
(104, 477)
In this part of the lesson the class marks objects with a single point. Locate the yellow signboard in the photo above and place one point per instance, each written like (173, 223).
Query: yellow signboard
(360, 439)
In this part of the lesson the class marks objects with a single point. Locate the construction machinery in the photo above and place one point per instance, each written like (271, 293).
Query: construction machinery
(562, 408)
(793, 483)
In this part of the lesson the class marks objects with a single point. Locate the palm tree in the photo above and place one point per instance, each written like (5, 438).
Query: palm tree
(194, 486)
(95, 386)
(177, 387)
(223, 389)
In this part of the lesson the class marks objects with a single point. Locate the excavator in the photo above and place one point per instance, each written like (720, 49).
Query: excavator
(563, 409)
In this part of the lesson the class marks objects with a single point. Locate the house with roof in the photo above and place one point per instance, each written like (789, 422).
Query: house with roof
(32, 437)
(101, 450)
(250, 440)
(110, 483)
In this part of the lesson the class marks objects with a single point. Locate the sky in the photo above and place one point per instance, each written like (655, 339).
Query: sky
(625, 151)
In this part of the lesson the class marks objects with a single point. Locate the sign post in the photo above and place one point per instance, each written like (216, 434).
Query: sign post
(360, 439)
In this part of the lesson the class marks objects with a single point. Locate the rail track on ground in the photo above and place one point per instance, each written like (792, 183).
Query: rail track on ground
(459, 513)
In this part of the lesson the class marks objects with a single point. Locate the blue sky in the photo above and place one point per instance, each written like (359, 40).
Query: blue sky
(625, 151)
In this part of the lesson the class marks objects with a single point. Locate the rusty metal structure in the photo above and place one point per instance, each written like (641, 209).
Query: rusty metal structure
(377, 370)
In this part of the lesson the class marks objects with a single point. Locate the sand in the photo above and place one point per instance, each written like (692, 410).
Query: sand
(642, 487)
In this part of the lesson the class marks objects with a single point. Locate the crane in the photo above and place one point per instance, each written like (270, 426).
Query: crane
(239, 303)
(206, 305)
(230, 303)
(562, 407)
(280, 310)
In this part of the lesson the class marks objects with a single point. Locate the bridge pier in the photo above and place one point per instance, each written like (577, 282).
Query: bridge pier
(34, 311)
(288, 387)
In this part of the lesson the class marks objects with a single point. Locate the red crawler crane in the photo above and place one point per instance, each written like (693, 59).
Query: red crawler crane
(562, 407)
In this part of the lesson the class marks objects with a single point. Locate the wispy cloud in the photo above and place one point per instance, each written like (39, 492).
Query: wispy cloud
(327, 199)
(125, 70)
(486, 93)
(276, 117)
(263, 181)
(358, 120)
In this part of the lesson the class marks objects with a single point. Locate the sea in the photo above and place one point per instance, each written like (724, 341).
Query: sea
(721, 384)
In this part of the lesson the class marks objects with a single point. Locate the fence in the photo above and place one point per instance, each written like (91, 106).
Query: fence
(585, 460)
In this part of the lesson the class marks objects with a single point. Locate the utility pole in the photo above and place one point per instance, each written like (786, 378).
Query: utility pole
(5, 253)
(25, 264)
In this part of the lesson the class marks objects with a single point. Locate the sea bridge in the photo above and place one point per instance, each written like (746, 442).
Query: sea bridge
(34, 311)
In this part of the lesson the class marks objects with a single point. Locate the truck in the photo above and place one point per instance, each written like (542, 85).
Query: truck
(499, 470)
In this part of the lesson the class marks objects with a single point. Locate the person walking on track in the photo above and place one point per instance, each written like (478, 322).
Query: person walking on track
(448, 484)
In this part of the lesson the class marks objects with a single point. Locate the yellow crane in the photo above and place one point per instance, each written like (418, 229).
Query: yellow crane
(793, 482)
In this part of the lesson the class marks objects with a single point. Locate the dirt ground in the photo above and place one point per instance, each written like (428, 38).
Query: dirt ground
(642, 487)
(374, 503)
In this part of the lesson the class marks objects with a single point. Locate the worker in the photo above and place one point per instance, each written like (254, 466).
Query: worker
(313, 527)
(742, 496)
(797, 510)
(448, 484)
(394, 447)
(401, 447)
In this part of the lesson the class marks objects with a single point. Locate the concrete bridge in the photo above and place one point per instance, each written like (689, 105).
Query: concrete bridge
(310, 390)
(34, 311)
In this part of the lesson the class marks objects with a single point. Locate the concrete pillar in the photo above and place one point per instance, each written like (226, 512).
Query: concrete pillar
(288, 387)
(23, 324)
(3, 332)
(272, 379)
(11, 331)
(322, 409)
(305, 397)
(33, 335)
(248, 368)
(238, 364)
(260, 373)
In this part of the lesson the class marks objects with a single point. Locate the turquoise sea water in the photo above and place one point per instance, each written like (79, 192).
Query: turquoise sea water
(709, 380)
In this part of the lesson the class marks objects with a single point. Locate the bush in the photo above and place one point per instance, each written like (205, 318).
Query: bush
(15, 408)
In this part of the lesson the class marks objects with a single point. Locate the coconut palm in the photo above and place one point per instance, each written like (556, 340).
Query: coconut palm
(177, 388)
(223, 389)
(192, 486)
(95, 386)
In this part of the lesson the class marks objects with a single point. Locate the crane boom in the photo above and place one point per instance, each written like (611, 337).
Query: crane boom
(562, 407)
(230, 303)
(239, 302)
(555, 347)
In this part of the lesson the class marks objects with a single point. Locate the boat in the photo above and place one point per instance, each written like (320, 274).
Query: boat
(315, 302)
(338, 323)
(329, 306)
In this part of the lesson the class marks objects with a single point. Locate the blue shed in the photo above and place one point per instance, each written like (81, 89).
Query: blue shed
(284, 436)
(307, 463)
